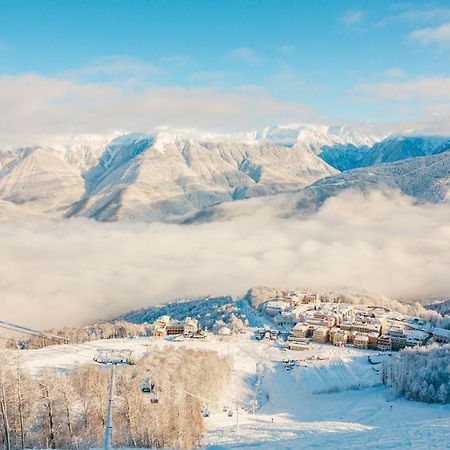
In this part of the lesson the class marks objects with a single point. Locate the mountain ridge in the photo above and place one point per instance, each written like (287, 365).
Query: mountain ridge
(172, 175)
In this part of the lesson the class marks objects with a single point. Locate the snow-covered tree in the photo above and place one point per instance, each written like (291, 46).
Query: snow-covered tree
(420, 373)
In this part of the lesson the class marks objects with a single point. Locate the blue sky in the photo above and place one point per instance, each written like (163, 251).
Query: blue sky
(349, 61)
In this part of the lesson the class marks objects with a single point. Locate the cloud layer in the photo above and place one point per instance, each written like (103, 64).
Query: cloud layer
(76, 271)
(40, 106)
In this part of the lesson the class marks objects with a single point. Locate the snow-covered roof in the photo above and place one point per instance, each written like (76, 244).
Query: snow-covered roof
(276, 304)
(300, 326)
(362, 337)
(441, 332)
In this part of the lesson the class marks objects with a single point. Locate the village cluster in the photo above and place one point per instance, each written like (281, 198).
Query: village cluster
(303, 318)
(365, 327)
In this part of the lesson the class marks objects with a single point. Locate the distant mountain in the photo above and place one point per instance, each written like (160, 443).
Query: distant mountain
(345, 156)
(427, 179)
(39, 181)
(177, 175)
(393, 148)
(147, 179)
(315, 137)
(150, 177)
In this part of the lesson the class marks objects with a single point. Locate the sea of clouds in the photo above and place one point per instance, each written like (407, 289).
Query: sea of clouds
(75, 271)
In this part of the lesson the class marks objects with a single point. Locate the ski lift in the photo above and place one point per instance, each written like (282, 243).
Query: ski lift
(154, 398)
(147, 386)
(230, 413)
(112, 356)
(205, 411)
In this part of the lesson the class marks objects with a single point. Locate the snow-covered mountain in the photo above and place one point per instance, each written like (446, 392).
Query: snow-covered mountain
(427, 179)
(163, 176)
(173, 175)
(38, 181)
(314, 136)
(140, 177)
(394, 148)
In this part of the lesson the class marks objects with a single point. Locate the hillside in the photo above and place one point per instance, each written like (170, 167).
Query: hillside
(426, 179)
(393, 148)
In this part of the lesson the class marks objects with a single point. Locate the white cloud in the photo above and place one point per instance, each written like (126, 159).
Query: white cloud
(438, 35)
(75, 271)
(423, 103)
(422, 89)
(116, 65)
(286, 49)
(40, 106)
(244, 55)
(208, 76)
(353, 17)
(290, 82)
(394, 72)
(416, 15)
(178, 60)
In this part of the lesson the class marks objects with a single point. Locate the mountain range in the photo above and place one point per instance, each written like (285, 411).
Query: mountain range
(181, 175)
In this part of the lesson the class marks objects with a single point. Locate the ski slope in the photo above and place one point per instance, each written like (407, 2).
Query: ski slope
(332, 399)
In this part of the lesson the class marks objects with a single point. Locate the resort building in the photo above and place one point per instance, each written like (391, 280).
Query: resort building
(320, 335)
(340, 338)
(384, 343)
(361, 341)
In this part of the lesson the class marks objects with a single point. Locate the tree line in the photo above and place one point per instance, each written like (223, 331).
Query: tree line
(102, 330)
(420, 373)
(66, 409)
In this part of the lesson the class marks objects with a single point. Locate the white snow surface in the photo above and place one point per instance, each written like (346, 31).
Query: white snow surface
(332, 400)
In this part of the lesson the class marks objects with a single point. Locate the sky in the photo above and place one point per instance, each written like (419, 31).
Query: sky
(83, 66)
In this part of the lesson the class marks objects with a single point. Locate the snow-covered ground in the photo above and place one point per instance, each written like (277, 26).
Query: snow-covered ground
(331, 399)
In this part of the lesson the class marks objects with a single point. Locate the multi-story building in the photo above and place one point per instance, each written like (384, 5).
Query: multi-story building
(351, 336)
(275, 307)
(441, 335)
(164, 326)
(309, 297)
(160, 325)
(373, 340)
(361, 341)
(384, 343)
(366, 327)
(332, 332)
(398, 338)
(340, 338)
(302, 330)
(320, 334)
(298, 345)
(190, 325)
